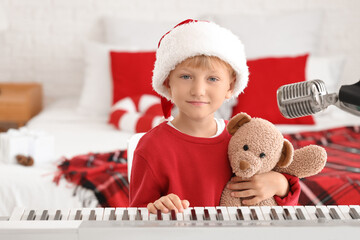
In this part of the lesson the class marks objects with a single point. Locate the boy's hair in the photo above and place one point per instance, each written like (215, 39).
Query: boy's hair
(203, 61)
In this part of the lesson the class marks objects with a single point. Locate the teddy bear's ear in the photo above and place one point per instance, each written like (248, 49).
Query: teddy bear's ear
(287, 154)
(237, 121)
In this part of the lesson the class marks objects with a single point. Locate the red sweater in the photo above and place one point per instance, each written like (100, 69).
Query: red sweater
(197, 169)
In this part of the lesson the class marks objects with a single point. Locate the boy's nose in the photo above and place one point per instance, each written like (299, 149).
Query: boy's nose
(198, 88)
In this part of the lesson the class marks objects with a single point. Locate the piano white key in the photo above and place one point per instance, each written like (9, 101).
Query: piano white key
(303, 211)
(246, 213)
(258, 212)
(269, 216)
(212, 213)
(356, 208)
(119, 213)
(335, 212)
(224, 213)
(17, 214)
(73, 214)
(289, 213)
(132, 211)
(144, 214)
(325, 211)
(311, 210)
(199, 213)
(187, 214)
(107, 212)
(232, 211)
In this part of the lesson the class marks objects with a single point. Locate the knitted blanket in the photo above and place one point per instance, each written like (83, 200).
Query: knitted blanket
(337, 184)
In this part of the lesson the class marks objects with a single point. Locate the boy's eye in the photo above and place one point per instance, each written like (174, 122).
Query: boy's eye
(185, 76)
(213, 79)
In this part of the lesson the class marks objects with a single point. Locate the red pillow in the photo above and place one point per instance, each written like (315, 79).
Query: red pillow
(266, 76)
(132, 73)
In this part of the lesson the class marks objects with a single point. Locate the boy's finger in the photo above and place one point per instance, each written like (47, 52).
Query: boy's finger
(251, 201)
(167, 202)
(239, 179)
(151, 208)
(160, 205)
(239, 185)
(243, 194)
(176, 202)
(185, 203)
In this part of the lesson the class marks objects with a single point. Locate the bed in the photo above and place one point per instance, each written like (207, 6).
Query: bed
(95, 126)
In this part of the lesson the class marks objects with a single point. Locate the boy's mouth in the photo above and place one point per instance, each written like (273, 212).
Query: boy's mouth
(197, 103)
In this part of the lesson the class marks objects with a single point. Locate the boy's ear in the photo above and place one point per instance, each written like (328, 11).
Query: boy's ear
(166, 83)
(231, 88)
(237, 121)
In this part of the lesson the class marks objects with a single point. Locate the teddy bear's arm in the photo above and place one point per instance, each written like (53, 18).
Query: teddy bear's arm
(307, 161)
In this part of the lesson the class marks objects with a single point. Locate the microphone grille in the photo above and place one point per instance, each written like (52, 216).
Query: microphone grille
(300, 99)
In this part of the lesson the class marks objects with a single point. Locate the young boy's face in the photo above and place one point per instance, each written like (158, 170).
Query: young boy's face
(199, 91)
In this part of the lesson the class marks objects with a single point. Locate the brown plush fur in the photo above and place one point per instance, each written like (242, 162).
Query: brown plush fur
(257, 146)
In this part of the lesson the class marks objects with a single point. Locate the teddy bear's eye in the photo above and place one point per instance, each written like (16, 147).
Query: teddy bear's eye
(246, 147)
(262, 155)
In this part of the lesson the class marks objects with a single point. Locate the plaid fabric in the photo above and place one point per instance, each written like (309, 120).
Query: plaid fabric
(103, 173)
(339, 182)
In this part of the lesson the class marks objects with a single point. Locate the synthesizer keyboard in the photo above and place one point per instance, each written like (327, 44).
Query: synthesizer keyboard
(275, 222)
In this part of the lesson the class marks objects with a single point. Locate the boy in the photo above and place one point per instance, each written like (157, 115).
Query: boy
(184, 161)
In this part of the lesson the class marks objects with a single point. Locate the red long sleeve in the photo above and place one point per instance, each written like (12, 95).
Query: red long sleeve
(293, 196)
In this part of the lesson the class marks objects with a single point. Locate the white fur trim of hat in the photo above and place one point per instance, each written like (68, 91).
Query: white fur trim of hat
(191, 38)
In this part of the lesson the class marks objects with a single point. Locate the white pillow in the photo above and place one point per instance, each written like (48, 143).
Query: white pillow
(96, 95)
(286, 34)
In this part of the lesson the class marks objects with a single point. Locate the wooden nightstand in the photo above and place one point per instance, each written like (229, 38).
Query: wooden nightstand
(19, 102)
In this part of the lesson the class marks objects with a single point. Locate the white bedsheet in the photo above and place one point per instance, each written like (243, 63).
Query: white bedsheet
(33, 187)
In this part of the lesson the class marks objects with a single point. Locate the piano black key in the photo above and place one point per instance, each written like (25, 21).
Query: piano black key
(125, 216)
(353, 213)
(206, 215)
(219, 215)
(31, 215)
(138, 215)
(44, 215)
(193, 215)
(239, 214)
(112, 216)
(274, 215)
(319, 214)
(287, 214)
(173, 215)
(92, 216)
(58, 215)
(159, 215)
(78, 215)
(253, 214)
(333, 214)
(299, 214)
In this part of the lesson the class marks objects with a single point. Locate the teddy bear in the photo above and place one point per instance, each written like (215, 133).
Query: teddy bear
(257, 146)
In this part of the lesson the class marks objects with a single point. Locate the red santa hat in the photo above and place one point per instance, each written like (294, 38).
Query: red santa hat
(192, 38)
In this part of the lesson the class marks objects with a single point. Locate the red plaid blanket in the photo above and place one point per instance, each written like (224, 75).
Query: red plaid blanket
(103, 173)
(338, 183)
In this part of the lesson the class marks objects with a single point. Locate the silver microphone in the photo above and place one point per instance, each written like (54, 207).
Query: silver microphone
(309, 97)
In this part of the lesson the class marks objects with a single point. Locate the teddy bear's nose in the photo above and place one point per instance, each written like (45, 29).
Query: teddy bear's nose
(244, 165)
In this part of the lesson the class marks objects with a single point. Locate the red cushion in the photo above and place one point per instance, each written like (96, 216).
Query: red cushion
(131, 73)
(266, 76)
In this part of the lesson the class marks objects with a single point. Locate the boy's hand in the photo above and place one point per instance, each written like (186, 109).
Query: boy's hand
(259, 187)
(168, 203)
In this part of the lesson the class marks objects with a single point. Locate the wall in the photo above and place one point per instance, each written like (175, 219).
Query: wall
(44, 41)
